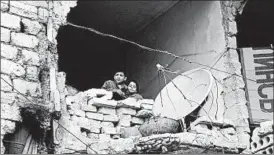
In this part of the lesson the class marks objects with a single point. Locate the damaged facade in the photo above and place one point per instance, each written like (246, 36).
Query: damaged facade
(29, 64)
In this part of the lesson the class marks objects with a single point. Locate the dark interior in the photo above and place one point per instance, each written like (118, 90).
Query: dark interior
(256, 24)
(89, 59)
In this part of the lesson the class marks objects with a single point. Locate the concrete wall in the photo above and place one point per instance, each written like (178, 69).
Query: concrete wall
(189, 28)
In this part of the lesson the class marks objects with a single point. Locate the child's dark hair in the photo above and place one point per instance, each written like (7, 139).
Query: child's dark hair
(137, 85)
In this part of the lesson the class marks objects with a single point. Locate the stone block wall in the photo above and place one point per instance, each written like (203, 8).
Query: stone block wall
(94, 118)
(22, 26)
(27, 48)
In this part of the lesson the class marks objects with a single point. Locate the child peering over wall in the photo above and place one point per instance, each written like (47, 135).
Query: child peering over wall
(117, 86)
(133, 90)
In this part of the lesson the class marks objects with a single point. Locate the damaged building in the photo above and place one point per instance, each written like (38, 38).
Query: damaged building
(56, 55)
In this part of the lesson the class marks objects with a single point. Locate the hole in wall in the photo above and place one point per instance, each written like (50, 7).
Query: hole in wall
(255, 24)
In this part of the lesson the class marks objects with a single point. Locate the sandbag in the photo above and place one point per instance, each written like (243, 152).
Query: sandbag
(130, 132)
(159, 125)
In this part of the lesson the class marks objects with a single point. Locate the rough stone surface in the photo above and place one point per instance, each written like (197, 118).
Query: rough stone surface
(127, 111)
(233, 83)
(80, 113)
(232, 43)
(107, 124)
(30, 58)
(43, 4)
(5, 35)
(93, 136)
(24, 10)
(130, 132)
(9, 52)
(10, 21)
(104, 137)
(144, 113)
(11, 68)
(95, 116)
(89, 108)
(107, 111)
(109, 130)
(43, 14)
(4, 85)
(7, 97)
(111, 118)
(129, 103)
(146, 106)
(7, 126)
(32, 73)
(32, 27)
(104, 103)
(4, 6)
(27, 88)
(24, 40)
(95, 130)
(124, 120)
(136, 120)
(10, 112)
(233, 98)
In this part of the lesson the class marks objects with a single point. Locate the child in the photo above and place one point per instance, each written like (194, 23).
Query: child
(132, 90)
(118, 86)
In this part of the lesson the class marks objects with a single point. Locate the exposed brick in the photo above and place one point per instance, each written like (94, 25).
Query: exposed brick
(146, 106)
(146, 101)
(232, 27)
(24, 40)
(136, 120)
(79, 113)
(107, 124)
(4, 6)
(4, 85)
(7, 126)
(30, 58)
(129, 103)
(103, 103)
(7, 97)
(24, 10)
(10, 21)
(89, 108)
(25, 87)
(111, 118)
(9, 52)
(109, 130)
(144, 113)
(128, 111)
(93, 136)
(10, 112)
(95, 116)
(104, 137)
(231, 42)
(32, 73)
(43, 14)
(43, 4)
(11, 68)
(32, 27)
(94, 129)
(124, 120)
(107, 111)
(5, 35)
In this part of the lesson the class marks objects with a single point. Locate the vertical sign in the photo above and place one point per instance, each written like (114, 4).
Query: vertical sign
(258, 73)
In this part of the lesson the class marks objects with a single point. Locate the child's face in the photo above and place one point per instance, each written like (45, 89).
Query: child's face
(132, 87)
(119, 77)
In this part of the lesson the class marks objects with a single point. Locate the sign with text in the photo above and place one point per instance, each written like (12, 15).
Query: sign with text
(258, 72)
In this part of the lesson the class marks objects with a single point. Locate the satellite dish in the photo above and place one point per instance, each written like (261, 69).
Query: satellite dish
(195, 85)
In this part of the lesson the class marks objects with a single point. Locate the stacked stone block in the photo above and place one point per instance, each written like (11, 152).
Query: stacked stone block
(99, 118)
(22, 26)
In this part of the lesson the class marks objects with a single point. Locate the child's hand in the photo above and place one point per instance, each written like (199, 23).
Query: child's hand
(120, 92)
